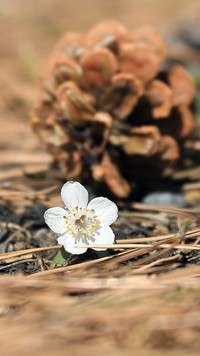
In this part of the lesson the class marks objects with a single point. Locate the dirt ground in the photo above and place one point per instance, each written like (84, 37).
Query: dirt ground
(99, 309)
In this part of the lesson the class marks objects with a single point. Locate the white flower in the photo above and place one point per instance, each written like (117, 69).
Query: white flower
(82, 223)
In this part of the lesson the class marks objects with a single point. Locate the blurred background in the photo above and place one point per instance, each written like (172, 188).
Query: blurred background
(30, 29)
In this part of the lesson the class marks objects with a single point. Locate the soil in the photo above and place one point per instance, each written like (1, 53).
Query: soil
(144, 300)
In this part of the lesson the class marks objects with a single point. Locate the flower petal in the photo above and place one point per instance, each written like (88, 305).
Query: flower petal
(74, 195)
(54, 218)
(105, 209)
(104, 236)
(69, 242)
(61, 240)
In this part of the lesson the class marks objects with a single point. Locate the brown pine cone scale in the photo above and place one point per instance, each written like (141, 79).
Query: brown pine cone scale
(108, 106)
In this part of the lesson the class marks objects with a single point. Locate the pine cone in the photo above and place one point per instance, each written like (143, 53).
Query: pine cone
(110, 108)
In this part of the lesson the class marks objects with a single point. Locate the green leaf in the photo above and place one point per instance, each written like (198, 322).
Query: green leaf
(101, 254)
(60, 258)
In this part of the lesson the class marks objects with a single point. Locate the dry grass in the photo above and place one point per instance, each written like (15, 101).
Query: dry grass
(104, 306)
(101, 316)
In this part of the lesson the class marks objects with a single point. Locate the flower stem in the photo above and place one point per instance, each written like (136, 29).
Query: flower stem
(60, 258)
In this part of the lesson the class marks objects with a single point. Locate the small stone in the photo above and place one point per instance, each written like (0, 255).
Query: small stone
(20, 245)
(35, 213)
(165, 198)
(43, 237)
(7, 214)
(3, 233)
(9, 247)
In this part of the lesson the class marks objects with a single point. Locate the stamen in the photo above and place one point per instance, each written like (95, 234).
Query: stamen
(80, 221)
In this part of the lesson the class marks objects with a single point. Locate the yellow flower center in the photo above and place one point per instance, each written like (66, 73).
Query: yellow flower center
(82, 222)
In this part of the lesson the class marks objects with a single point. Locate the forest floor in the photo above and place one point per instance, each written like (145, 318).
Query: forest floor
(142, 300)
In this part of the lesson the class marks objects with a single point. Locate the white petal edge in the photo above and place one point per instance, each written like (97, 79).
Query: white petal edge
(54, 218)
(105, 236)
(105, 209)
(69, 243)
(74, 195)
(61, 240)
